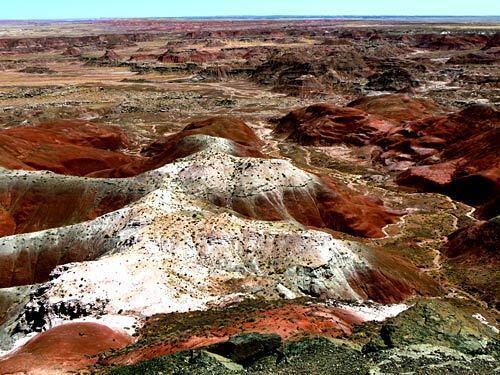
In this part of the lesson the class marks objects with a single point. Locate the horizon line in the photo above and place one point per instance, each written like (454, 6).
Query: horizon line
(270, 16)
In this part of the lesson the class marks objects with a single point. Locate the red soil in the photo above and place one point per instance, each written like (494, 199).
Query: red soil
(64, 348)
(290, 322)
(66, 147)
(29, 208)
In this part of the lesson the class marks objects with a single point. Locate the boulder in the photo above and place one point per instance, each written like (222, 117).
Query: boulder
(247, 348)
(449, 323)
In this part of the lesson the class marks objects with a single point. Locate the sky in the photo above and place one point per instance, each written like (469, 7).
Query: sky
(71, 9)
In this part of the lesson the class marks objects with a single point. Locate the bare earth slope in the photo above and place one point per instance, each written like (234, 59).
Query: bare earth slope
(254, 196)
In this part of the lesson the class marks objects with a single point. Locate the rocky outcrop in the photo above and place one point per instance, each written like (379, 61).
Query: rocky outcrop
(421, 339)
(247, 330)
(193, 56)
(392, 79)
(435, 322)
(456, 154)
(183, 247)
(110, 55)
(451, 41)
(473, 259)
(72, 51)
(397, 107)
(325, 124)
(474, 58)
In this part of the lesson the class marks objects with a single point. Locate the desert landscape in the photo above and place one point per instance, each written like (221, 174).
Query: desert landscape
(250, 196)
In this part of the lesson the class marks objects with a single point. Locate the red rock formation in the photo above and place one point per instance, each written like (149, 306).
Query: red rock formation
(357, 214)
(493, 41)
(391, 279)
(35, 202)
(7, 223)
(170, 148)
(328, 206)
(65, 147)
(473, 256)
(474, 58)
(189, 56)
(324, 124)
(396, 107)
(110, 55)
(32, 204)
(451, 42)
(40, 44)
(143, 57)
(224, 127)
(63, 349)
(461, 157)
(72, 51)
(456, 154)
(478, 241)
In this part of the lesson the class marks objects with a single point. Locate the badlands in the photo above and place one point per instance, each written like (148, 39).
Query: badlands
(263, 196)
